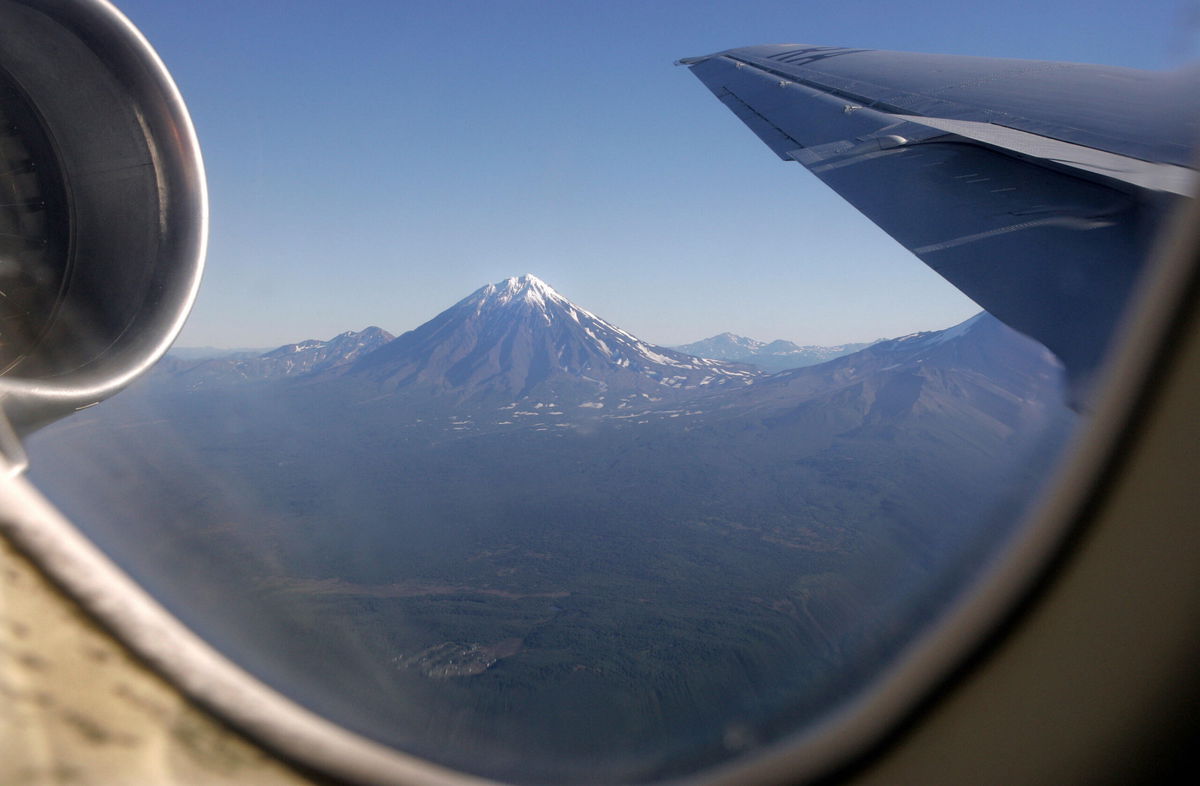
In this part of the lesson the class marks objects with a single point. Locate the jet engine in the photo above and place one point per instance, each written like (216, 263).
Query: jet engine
(103, 210)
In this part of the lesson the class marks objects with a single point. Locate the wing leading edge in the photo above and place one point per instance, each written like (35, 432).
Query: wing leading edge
(1036, 188)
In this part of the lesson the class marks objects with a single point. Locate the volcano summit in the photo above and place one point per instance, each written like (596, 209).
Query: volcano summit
(519, 338)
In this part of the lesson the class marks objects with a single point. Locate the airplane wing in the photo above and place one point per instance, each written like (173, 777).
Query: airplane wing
(1034, 187)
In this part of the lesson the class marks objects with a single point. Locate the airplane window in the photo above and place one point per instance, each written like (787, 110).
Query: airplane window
(541, 424)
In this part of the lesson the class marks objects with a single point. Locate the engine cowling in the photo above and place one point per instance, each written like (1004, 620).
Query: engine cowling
(103, 209)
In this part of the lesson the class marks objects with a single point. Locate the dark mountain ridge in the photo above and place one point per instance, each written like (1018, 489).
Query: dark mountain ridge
(953, 405)
(980, 363)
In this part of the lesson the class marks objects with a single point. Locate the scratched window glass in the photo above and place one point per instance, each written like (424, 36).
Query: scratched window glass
(556, 414)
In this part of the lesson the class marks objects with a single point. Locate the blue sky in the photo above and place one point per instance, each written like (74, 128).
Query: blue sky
(372, 162)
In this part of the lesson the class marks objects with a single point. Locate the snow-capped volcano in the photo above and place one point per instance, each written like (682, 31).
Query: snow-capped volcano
(519, 336)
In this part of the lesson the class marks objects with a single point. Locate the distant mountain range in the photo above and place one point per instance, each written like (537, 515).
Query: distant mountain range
(290, 360)
(776, 355)
(205, 353)
(518, 338)
(517, 355)
(524, 530)
(518, 346)
(512, 339)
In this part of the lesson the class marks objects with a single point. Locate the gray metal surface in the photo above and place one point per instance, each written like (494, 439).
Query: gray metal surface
(127, 160)
(1036, 188)
(1149, 115)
